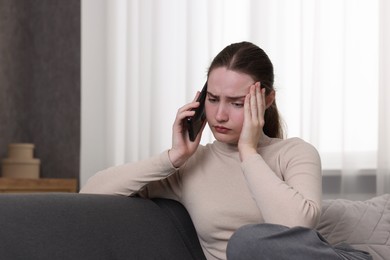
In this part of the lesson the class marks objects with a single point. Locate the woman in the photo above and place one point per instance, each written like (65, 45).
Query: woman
(249, 175)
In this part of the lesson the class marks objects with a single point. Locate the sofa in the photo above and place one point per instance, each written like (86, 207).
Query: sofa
(86, 226)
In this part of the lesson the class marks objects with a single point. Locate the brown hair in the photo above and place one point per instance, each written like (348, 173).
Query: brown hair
(246, 57)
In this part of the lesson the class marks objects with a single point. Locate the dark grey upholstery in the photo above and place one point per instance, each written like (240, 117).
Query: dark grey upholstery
(83, 226)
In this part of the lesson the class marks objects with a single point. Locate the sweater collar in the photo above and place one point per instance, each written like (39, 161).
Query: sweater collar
(232, 148)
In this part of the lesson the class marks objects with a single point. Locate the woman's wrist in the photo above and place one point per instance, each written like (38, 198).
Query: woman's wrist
(246, 152)
(175, 158)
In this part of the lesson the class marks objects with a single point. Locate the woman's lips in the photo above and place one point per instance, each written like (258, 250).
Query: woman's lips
(221, 129)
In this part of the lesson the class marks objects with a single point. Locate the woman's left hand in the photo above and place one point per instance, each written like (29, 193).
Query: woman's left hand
(252, 128)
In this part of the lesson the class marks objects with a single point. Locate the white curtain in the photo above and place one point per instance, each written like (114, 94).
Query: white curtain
(330, 59)
(383, 167)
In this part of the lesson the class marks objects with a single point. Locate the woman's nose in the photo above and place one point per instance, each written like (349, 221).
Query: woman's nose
(222, 115)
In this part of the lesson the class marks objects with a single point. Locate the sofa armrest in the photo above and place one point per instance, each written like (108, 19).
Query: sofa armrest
(177, 213)
(86, 226)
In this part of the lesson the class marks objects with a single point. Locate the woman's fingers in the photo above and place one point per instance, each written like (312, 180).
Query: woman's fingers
(188, 109)
(189, 106)
(196, 96)
(262, 106)
(251, 132)
(254, 107)
(193, 104)
(259, 98)
(257, 101)
(253, 101)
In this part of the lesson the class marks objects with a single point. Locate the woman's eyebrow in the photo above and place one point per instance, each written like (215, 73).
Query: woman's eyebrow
(229, 98)
(211, 94)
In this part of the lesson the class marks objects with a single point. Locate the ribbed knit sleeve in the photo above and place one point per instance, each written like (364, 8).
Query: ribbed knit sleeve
(292, 197)
(129, 179)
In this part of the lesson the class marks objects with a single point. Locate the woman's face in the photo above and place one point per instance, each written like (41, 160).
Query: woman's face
(226, 91)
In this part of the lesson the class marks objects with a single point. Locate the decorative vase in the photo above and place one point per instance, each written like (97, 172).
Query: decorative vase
(21, 162)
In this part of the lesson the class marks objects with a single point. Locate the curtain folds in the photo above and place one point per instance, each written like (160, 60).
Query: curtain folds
(383, 170)
(330, 59)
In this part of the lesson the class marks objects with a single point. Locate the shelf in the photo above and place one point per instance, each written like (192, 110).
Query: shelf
(19, 185)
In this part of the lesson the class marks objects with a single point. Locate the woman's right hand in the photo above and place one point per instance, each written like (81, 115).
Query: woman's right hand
(182, 147)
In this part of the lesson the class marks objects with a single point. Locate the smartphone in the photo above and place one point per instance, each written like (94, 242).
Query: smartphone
(195, 122)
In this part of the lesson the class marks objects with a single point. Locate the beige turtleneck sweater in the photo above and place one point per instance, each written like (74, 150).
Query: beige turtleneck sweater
(281, 185)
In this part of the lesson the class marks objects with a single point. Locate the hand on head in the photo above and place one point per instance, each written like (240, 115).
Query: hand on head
(252, 128)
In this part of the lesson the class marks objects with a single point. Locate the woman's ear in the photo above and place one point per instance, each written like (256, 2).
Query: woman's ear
(269, 99)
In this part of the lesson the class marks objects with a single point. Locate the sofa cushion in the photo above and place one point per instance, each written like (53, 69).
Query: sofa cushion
(365, 225)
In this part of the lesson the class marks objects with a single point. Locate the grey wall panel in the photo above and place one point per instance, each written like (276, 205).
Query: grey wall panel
(40, 81)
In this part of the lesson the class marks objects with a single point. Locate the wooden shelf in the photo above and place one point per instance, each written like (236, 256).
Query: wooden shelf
(19, 185)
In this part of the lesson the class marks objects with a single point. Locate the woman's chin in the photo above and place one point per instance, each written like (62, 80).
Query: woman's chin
(224, 138)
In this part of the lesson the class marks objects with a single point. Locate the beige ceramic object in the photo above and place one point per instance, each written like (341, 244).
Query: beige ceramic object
(20, 162)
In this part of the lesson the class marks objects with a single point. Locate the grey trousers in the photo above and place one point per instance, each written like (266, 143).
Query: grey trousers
(276, 242)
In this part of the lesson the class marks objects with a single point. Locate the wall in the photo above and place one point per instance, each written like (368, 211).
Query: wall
(40, 81)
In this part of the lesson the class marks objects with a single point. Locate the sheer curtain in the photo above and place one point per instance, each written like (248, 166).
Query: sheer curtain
(383, 170)
(143, 59)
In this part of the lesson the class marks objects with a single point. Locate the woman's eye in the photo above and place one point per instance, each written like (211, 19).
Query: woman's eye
(238, 105)
(212, 100)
